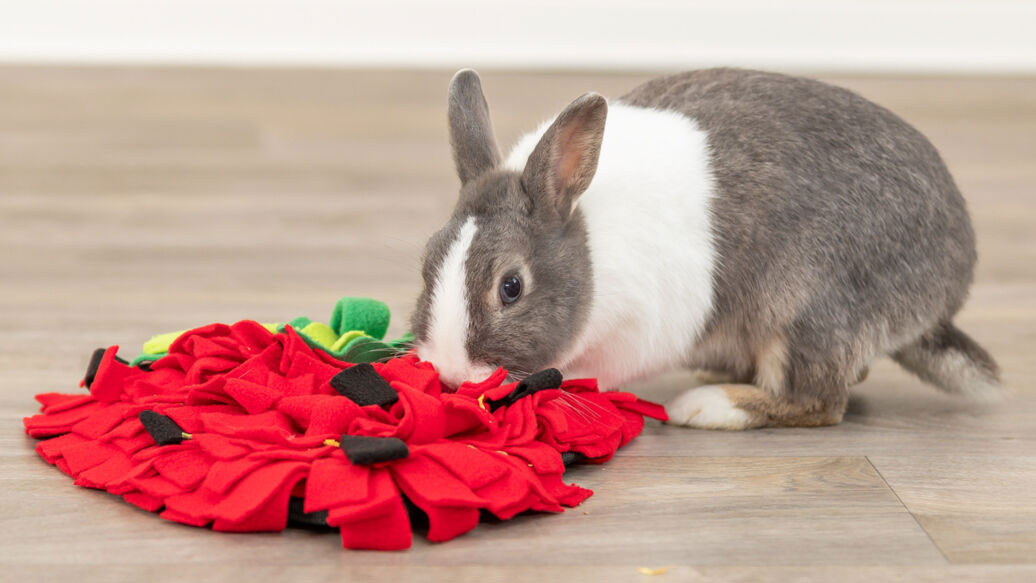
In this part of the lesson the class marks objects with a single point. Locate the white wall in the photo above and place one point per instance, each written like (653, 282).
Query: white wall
(986, 36)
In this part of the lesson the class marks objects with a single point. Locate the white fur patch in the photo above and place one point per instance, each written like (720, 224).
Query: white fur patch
(706, 407)
(647, 215)
(956, 373)
(448, 324)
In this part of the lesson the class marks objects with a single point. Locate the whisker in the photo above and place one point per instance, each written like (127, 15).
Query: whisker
(576, 402)
(591, 404)
(382, 350)
(517, 374)
(375, 352)
(565, 403)
(581, 406)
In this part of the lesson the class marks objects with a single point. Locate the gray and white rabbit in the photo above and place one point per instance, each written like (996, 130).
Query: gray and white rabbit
(776, 229)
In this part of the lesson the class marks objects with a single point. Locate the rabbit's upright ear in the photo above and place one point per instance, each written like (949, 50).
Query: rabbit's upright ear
(471, 133)
(564, 161)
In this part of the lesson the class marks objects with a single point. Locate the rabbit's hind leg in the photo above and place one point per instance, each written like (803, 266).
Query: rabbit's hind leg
(788, 390)
(735, 407)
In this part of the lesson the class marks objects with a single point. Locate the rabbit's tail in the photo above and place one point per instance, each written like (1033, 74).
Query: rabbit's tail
(949, 359)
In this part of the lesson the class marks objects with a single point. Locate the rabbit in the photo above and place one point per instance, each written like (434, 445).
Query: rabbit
(777, 230)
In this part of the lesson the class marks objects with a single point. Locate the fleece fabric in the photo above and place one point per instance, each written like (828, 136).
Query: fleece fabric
(234, 422)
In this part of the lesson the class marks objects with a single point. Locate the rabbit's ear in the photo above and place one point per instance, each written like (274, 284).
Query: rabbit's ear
(471, 133)
(564, 161)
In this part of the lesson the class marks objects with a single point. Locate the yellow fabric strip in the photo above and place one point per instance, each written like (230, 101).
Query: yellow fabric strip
(320, 333)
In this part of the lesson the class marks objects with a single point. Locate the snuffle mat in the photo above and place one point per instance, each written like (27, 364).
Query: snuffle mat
(250, 427)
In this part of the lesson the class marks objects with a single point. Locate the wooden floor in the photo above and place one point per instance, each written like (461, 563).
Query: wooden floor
(136, 201)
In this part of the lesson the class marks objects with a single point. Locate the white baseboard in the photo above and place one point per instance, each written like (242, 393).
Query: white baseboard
(952, 36)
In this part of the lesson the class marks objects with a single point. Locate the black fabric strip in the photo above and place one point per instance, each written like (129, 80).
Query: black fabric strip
(545, 379)
(163, 430)
(91, 369)
(572, 457)
(364, 386)
(365, 450)
(298, 515)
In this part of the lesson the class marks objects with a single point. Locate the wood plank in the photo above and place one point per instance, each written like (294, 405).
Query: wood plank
(653, 511)
(978, 509)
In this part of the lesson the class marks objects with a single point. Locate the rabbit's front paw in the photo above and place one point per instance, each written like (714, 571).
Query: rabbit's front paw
(707, 407)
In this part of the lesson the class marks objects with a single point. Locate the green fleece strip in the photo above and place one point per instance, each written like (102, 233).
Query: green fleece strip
(370, 316)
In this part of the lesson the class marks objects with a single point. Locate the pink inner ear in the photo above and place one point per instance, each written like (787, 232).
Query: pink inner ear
(571, 155)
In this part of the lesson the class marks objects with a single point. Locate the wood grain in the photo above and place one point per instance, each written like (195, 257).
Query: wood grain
(135, 201)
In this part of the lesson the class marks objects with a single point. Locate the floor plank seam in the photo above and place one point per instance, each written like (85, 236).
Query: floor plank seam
(907, 508)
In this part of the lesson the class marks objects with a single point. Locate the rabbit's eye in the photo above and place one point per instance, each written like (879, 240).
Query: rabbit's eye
(510, 289)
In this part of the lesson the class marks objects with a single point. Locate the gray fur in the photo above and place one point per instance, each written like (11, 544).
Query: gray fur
(520, 230)
(841, 237)
(839, 228)
(948, 358)
(471, 134)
